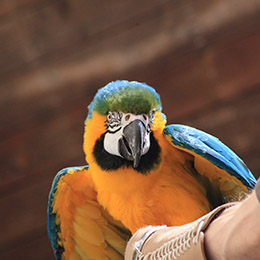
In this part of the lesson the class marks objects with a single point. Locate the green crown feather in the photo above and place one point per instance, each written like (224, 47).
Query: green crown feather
(127, 97)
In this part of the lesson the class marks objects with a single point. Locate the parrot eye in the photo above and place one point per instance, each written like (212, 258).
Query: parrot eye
(151, 117)
(114, 119)
(150, 120)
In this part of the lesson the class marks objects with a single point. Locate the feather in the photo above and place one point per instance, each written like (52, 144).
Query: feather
(114, 240)
(89, 210)
(79, 227)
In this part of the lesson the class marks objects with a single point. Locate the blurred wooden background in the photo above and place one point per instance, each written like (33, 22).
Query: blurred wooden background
(203, 57)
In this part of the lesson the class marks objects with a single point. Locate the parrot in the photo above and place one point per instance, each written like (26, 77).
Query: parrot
(139, 172)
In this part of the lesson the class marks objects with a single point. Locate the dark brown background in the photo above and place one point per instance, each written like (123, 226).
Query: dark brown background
(203, 57)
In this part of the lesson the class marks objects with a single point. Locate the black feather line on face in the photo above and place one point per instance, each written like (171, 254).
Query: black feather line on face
(109, 162)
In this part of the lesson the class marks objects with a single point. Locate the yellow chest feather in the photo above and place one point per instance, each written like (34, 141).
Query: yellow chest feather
(167, 195)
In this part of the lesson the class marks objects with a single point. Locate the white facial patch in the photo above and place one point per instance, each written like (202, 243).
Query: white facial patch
(116, 122)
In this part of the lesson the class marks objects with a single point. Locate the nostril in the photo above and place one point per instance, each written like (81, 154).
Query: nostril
(127, 117)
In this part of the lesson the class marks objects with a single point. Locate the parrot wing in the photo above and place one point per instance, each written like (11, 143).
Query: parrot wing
(212, 158)
(78, 226)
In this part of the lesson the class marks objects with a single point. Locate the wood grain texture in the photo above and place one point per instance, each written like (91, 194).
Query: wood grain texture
(202, 57)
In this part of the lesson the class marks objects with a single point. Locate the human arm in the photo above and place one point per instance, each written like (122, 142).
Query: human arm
(235, 234)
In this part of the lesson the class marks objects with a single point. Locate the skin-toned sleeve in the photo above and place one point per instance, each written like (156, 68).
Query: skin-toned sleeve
(184, 242)
(257, 190)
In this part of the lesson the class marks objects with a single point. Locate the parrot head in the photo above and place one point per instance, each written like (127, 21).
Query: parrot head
(120, 124)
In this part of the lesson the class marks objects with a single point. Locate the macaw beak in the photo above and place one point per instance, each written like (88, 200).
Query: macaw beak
(132, 142)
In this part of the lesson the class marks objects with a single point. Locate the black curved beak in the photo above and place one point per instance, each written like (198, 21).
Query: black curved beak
(132, 142)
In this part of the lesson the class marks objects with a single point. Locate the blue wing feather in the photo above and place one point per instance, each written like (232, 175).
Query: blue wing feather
(212, 149)
(53, 228)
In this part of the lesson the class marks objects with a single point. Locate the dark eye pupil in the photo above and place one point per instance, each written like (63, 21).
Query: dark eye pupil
(127, 117)
(145, 117)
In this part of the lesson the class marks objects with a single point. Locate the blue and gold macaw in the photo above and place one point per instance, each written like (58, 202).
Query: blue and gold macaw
(140, 172)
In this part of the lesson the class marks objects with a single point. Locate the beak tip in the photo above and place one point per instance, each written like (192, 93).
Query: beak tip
(135, 165)
(136, 162)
